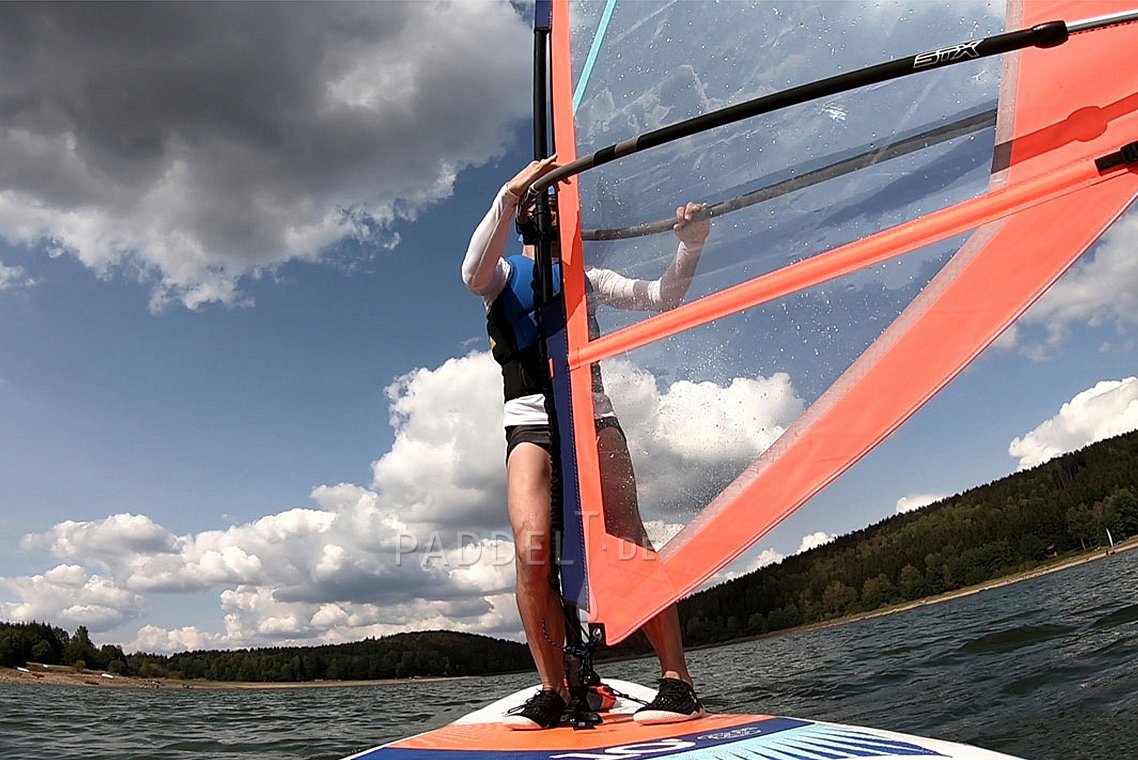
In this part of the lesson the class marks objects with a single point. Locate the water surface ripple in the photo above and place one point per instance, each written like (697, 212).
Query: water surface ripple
(1043, 669)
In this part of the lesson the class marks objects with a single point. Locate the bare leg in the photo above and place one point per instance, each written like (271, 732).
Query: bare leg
(622, 518)
(528, 475)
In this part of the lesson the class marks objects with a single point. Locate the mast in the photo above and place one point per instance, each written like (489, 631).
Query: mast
(550, 314)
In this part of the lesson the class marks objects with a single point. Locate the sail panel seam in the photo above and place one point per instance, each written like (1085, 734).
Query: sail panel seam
(587, 71)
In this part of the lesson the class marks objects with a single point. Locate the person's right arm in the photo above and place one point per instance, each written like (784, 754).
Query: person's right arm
(483, 268)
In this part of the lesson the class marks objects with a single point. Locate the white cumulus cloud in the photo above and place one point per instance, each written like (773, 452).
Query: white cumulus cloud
(189, 638)
(1109, 408)
(67, 595)
(425, 545)
(1101, 290)
(13, 277)
(814, 540)
(756, 558)
(749, 562)
(193, 144)
(117, 536)
(447, 463)
(689, 440)
(916, 501)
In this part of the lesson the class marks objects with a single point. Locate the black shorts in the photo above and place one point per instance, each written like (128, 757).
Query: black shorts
(535, 434)
(539, 434)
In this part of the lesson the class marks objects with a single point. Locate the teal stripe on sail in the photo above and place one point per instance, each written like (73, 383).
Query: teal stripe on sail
(592, 58)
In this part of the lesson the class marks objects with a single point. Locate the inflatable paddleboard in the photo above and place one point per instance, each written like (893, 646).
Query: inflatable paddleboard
(480, 736)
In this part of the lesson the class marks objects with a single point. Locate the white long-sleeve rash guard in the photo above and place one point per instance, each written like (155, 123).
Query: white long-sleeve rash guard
(485, 273)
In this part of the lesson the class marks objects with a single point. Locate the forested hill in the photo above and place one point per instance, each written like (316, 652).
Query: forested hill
(1014, 524)
(428, 653)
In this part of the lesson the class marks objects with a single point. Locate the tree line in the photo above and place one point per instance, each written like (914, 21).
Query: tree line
(404, 655)
(1012, 525)
(21, 643)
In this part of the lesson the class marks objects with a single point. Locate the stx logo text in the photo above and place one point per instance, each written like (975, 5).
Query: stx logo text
(947, 55)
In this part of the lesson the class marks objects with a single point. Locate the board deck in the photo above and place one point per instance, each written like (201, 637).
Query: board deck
(480, 736)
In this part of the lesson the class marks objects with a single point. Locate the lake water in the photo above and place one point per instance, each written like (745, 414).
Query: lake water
(1046, 669)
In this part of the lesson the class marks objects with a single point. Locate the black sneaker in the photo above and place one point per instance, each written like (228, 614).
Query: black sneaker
(675, 701)
(542, 710)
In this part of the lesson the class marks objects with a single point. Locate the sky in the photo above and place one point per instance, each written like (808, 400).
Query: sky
(245, 397)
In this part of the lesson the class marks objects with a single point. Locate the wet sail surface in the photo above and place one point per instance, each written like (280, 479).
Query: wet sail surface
(866, 247)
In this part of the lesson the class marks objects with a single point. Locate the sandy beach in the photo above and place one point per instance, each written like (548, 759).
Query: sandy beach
(62, 675)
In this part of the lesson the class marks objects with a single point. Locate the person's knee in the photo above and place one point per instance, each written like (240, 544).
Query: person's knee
(533, 577)
(532, 557)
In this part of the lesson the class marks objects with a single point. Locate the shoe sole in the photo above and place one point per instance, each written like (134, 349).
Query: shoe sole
(656, 717)
(518, 723)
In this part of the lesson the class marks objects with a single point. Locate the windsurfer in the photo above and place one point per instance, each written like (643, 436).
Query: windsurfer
(505, 285)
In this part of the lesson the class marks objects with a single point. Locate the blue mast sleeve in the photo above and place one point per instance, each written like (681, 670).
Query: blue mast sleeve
(543, 14)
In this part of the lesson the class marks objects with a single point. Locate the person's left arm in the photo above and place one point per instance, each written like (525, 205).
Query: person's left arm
(669, 290)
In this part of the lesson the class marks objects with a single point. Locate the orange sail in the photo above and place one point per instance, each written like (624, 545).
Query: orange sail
(822, 318)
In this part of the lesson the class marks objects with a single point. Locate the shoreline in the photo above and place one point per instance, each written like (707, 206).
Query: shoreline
(65, 675)
(1054, 566)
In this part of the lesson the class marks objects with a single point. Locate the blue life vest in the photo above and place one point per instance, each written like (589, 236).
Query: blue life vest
(512, 326)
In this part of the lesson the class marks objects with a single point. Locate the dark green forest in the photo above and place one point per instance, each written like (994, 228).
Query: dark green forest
(1012, 525)
(429, 653)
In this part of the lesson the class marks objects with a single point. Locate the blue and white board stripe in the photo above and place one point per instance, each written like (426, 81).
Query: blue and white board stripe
(765, 739)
